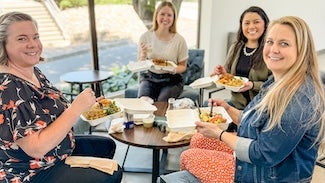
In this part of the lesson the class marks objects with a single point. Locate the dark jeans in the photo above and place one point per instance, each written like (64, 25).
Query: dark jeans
(160, 91)
(86, 145)
(160, 87)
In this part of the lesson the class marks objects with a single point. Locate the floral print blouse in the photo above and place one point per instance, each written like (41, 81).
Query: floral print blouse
(25, 109)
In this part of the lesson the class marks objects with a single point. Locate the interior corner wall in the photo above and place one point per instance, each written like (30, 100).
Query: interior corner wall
(219, 17)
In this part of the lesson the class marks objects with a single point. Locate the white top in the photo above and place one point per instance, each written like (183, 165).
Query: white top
(174, 50)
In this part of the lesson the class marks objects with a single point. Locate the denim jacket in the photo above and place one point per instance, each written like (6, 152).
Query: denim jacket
(283, 154)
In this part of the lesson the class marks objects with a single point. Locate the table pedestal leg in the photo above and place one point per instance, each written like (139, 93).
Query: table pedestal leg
(155, 165)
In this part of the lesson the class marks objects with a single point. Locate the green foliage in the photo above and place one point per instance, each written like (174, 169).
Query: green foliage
(121, 79)
(64, 4)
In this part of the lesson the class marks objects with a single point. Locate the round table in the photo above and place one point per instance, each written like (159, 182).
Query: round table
(150, 138)
(92, 77)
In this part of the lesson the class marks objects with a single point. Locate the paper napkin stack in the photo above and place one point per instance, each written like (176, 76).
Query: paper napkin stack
(179, 136)
(102, 164)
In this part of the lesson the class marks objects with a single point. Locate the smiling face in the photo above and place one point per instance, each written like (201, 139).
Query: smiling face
(165, 17)
(252, 26)
(23, 44)
(280, 49)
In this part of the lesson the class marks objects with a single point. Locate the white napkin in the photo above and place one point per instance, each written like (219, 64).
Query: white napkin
(179, 136)
(117, 125)
(102, 164)
(184, 103)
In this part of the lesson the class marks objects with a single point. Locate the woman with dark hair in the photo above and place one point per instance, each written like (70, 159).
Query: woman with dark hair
(162, 42)
(245, 56)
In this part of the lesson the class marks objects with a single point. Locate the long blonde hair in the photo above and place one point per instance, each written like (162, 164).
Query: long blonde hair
(172, 29)
(280, 94)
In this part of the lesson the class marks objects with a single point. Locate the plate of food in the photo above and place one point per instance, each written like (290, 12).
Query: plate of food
(231, 82)
(162, 64)
(139, 66)
(219, 116)
(204, 82)
(102, 111)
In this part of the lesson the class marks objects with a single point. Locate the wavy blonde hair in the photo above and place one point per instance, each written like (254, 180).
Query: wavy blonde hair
(172, 29)
(280, 94)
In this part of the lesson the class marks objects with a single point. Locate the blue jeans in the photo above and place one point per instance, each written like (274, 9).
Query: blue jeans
(183, 176)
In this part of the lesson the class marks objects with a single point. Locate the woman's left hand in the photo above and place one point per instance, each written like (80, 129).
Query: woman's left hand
(247, 86)
(208, 129)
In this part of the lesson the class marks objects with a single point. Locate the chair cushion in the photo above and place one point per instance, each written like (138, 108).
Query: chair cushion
(131, 92)
(191, 93)
(195, 66)
(94, 145)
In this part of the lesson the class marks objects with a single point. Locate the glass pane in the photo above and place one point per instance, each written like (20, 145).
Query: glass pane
(65, 35)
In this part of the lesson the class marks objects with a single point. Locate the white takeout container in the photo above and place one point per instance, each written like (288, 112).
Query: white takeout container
(204, 82)
(98, 121)
(219, 110)
(233, 88)
(135, 105)
(166, 68)
(139, 65)
(182, 120)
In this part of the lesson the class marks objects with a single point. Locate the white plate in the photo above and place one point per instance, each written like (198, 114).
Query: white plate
(166, 68)
(98, 121)
(182, 120)
(232, 88)
(219, 110)
(135, 105)
(139, 65)
(204, 82)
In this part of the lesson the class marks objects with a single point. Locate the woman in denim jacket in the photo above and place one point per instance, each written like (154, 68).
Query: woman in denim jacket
(282, 128)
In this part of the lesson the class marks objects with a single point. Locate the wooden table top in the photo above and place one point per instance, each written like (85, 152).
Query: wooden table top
(161, 108)
(148, 137)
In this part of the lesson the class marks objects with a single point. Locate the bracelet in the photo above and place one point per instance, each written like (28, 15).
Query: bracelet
(220, 136)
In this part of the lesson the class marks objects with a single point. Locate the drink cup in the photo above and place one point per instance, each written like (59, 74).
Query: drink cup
(148, 121)
(149, 48)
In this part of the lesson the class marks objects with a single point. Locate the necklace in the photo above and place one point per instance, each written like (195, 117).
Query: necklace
(248, 54)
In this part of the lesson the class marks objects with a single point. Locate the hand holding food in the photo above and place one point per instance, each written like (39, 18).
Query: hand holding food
(219, 69)
(102, 108)
(215, 118)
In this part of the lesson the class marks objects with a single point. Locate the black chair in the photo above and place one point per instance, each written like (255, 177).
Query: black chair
(97, 146)
(195, 70)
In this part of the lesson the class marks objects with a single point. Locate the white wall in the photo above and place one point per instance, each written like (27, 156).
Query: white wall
(219, 17)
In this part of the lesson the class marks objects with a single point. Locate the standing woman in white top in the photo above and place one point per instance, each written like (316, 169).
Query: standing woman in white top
(163, 42)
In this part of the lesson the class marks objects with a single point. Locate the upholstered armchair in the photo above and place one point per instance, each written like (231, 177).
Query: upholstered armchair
(195, 70)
